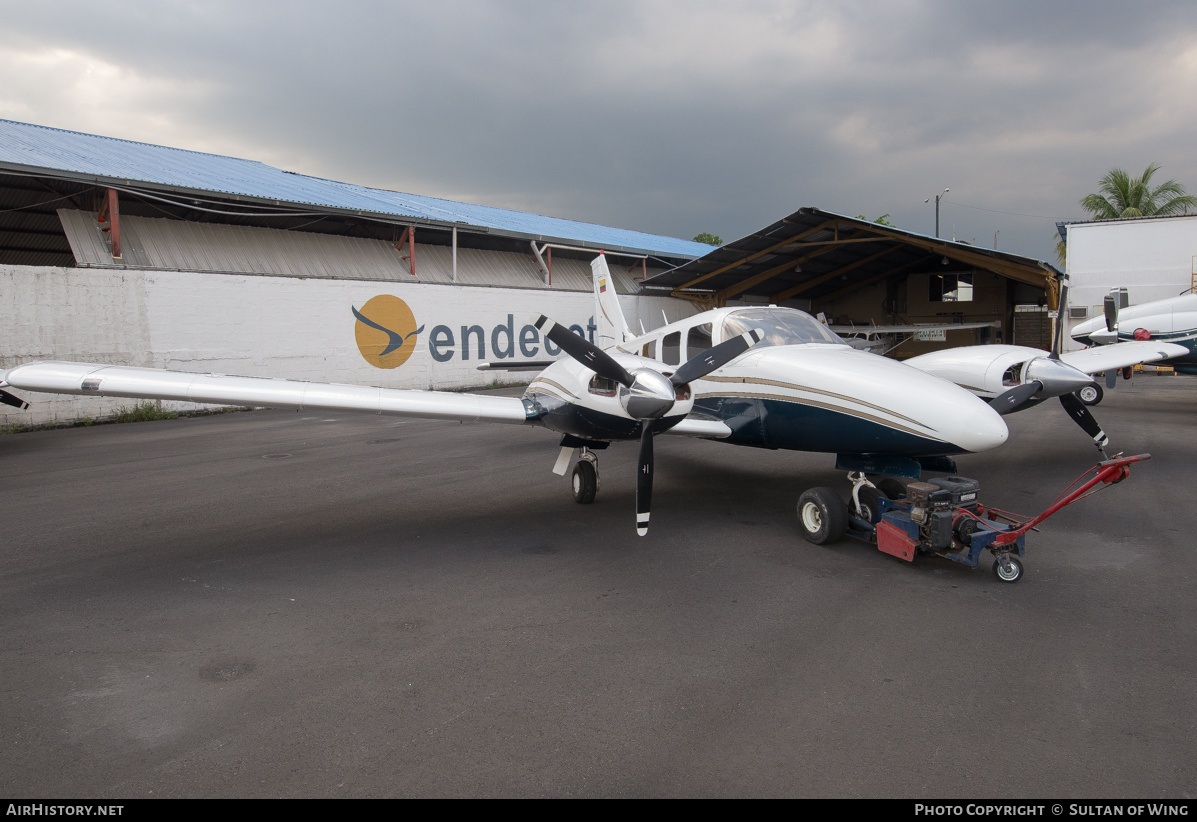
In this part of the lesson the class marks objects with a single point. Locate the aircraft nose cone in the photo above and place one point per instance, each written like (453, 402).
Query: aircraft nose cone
(1057, 377)
(980, 428)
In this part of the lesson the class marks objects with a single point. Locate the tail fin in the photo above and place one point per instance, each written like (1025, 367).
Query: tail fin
(612, 328)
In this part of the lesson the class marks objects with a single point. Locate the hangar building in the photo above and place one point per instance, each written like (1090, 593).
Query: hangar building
(129, 253)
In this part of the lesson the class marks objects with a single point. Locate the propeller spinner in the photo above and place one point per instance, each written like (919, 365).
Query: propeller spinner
(646, 394)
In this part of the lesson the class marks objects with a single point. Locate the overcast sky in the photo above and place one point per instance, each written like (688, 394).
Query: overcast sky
(667, 117)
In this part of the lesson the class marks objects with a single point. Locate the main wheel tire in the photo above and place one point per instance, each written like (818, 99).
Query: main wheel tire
(1090, 394)
(585, 482)
(822, 515)
(1011, 573)
(892, 487)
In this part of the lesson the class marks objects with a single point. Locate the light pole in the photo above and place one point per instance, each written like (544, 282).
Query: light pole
(938, 197)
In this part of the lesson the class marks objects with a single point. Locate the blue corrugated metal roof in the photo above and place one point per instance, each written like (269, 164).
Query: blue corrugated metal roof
(43, 148)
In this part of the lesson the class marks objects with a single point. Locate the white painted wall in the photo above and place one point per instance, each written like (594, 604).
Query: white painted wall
(258, 326)
(1153, 257)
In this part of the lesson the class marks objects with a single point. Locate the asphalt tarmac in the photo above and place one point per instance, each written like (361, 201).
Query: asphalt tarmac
(273, 604)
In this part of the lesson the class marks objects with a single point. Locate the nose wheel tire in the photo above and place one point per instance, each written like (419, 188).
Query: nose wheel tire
(822, 515)
(585, 482)
(1090, 394)
(892, 488)
(1009, 570)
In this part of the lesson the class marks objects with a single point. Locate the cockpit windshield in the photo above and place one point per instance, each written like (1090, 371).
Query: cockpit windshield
(780, 326)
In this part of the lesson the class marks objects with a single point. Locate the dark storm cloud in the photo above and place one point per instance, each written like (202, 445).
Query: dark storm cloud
(667, 117)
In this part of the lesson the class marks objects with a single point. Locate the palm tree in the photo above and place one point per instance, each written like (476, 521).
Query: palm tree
(1123, 196)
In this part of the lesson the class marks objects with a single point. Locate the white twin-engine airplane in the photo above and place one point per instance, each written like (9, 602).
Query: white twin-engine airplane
(1014, 377)
(1173, 320)
(764, 377)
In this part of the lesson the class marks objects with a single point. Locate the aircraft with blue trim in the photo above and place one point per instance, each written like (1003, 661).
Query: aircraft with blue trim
(1172, 321)
(764, 377)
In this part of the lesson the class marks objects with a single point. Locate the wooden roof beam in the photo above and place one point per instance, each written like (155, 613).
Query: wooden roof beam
(798, 289)
(755, 254)
(1015, 271)
(876, 278)
(757, 279)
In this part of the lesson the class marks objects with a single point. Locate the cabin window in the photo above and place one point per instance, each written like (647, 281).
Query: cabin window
(698, 340)
(671, 348)
(951, 288)
(649, 350)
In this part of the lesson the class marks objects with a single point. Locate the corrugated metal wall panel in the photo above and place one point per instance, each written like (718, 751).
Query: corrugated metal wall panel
(150, 243)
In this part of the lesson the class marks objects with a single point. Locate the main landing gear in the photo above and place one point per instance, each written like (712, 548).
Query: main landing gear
(824, 516)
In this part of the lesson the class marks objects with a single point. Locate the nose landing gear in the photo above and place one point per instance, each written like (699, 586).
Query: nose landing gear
(585, 479)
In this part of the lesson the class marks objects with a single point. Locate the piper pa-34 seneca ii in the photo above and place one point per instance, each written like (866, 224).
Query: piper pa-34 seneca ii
(764, 377)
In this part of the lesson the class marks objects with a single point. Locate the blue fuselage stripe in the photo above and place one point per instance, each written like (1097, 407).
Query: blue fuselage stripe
(757, 421)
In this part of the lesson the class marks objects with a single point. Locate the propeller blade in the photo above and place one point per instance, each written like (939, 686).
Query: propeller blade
(718, 356)
(1111, 312)
(1111, 377)
(13, 400)
(1010, 401)
(588, 354)
(644, 479)
(1082, 417)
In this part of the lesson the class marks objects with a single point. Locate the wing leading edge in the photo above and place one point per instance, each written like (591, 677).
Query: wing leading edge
(1120, 355)
(219, 389)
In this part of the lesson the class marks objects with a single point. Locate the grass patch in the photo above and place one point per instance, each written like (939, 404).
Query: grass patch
(144, 412)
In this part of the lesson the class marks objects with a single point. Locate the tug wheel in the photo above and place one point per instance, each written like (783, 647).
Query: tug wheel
(585, 482)
(1090, 394)
(822, 515)
(1010, 572)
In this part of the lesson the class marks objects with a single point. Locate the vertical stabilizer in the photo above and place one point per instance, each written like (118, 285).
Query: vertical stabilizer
(612, 328)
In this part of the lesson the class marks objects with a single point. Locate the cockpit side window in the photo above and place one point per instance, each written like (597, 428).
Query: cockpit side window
(671, 348)
(780, 326)
(698, 339)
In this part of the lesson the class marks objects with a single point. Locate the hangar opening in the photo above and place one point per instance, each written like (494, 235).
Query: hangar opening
(867, 279)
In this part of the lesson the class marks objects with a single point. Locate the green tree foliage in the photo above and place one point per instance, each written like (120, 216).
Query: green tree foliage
(709, 239)
(882, 220)
(1122, 196)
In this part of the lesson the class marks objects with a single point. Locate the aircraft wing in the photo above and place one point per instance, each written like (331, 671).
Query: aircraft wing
(153, 383)
(1120, 355)
(909, 329)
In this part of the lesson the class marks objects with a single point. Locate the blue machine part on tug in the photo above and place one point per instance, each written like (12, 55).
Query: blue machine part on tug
(940, 517)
